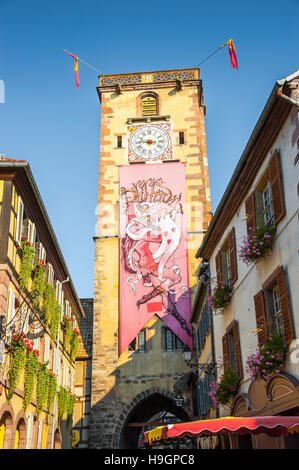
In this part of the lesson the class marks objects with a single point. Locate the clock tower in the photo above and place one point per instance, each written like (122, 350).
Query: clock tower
(153, 209)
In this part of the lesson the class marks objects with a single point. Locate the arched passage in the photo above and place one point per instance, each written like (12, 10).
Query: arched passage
(143, 411)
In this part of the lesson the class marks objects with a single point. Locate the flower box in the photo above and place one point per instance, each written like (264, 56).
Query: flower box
(257, 244)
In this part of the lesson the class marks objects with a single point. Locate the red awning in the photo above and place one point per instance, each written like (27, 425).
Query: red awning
(272, 425)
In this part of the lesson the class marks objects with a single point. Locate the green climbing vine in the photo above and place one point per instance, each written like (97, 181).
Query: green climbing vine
(66, 403)
(70, 405)
(56, 309)
(74, 343)
(18, 346)
(42, 386)
(31, 367)
(52, 390)
(67, 325)
(48, 302)
(39, 279)
(28, 253)
(62, 402)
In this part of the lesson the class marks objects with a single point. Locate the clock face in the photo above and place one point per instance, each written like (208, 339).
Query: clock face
(149, 142)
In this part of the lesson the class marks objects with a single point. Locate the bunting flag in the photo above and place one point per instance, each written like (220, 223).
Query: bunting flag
(232, 54)
(75, 68)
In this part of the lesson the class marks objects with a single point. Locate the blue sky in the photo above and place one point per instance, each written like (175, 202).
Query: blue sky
(46, 121)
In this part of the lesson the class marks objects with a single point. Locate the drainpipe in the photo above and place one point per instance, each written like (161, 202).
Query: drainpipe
(57, 365)
(287, 98)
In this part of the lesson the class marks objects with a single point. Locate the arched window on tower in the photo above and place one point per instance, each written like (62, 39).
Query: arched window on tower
(149, 105)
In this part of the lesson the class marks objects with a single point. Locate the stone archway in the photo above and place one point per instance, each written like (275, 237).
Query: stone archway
(144, 406)
(7, 421)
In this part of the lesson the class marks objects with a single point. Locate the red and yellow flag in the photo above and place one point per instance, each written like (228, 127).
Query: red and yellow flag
(232, 54)
(75, 68)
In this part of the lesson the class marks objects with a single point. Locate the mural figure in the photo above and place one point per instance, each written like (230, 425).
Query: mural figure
(152, 236)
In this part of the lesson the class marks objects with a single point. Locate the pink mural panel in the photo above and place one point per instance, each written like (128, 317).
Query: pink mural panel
(153, 250)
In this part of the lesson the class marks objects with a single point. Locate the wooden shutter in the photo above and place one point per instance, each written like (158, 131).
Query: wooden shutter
(233, 255)
(250, 211)
(285, 307)
(236, 337)
(261, 318)
(218, 266)
(276, 187)
(225, 351)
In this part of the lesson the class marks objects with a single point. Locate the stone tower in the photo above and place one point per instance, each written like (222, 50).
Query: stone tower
(152, 125)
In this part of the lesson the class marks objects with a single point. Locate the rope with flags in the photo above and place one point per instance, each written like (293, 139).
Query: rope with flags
(232, 54)
(229, 43)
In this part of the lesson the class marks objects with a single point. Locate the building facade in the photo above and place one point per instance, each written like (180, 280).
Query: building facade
(252, 250)
(152, 129)
(39, 309)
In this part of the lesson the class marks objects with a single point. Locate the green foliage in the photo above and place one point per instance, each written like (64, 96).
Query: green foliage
(48, 302)
(31, 367)
(51, 309)
(26, 263)
(221, 391)
(74, 345)
(17, 362)
(52, 391)
(70, 406)
(42, 386)
(39, 280)
(68, 332)
(66, 403)
(55, 319)
(220, 297)
(62, 402)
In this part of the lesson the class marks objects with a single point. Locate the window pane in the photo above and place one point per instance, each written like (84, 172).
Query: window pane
(168, 340)
(141, 341)
(178, 344)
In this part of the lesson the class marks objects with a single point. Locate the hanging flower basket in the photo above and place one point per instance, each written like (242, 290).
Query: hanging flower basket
(222, 391)
(257, 244)
(220, 297)
(268, 359)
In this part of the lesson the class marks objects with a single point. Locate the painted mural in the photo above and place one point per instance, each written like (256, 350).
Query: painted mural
(153, 250)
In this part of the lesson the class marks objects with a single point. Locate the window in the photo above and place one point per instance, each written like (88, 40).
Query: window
(204, 401)
(149, 105)
(47, 349)
(29, 230)
(171, 341)
(265, 205)
(203, 327)
(181, 138)
(226, 260)
(231, 349)
(277, 311)
(141, 341)
(178, 344)
(272, 309)
(40, 253)
(225, 264)
(50, 274)
(168, 339)
(19, 225)
(11, 312)
(139, 344)
(119, 142)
